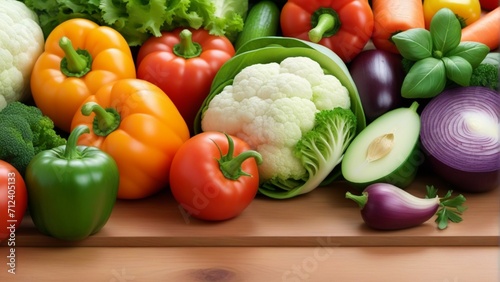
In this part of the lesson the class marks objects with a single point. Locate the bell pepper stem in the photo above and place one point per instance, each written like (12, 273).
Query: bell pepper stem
(359, 199)
(186, 48)
(70, 151)
(105, 120)
(231, 166)
(325, 23)
(75, 63)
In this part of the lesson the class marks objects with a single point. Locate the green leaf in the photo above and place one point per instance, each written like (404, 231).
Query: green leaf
(431, 192)
(426, 79)
(456, 202)
(473, 52)
(458, 70)
(442, 219)
(450, 210)
(414, 44)
(446, 31)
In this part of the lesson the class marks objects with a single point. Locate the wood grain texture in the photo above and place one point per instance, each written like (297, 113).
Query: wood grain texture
(322, 217)
(256, 264)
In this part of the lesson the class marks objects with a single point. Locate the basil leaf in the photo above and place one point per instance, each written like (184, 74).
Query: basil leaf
(458, 70)
(473, 52)
(414, 44)
(426, 79)
(445, 30)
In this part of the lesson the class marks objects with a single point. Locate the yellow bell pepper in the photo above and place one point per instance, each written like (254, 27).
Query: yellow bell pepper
(467, 11)
(80, 57)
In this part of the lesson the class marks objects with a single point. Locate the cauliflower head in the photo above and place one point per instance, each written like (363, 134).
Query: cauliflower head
(21, 43)
(271, 106)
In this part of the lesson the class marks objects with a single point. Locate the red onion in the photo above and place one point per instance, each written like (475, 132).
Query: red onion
(460, 136)
(388, 207)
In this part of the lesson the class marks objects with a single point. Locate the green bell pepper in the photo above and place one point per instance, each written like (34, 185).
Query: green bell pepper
(72, 189)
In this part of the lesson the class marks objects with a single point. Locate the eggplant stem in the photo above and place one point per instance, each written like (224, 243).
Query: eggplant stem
(359, 199)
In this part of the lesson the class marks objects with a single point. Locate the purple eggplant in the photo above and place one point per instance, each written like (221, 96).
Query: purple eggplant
(378, 75)
(388, 207)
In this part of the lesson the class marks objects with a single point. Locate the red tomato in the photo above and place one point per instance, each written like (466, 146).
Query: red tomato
(13, 201)
(488, 5)
(197, 180)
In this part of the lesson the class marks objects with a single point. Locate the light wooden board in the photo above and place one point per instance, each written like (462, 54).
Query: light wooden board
(322, 217)
(255, 264)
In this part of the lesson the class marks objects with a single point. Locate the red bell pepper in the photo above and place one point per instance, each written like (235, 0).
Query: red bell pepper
(344, 26)
(183, 63)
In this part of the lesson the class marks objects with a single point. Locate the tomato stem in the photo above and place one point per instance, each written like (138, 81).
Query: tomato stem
(105, 120)
(231, 166)
(325, 23)
(186, 48)
(76, 63)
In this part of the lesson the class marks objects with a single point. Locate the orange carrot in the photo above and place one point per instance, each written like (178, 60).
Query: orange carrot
(485, 30)
(393, 16)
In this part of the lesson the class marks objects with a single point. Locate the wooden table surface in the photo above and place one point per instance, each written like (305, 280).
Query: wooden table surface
(315, 237)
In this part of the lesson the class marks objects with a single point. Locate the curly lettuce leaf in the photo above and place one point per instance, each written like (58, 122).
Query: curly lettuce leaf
(53, 12)
(137, 20)
(228, 18)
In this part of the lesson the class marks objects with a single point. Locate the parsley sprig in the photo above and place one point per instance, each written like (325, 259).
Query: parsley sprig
(450, 209)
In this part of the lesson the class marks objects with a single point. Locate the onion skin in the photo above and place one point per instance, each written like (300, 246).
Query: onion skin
(378, 75)
(388, 207)
(468, 160)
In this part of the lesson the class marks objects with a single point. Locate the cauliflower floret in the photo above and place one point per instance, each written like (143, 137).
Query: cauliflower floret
(21, 42)
(275, 158)
(303, 67)
(222, 111)
(271, 106)
(285, 85)
(250, 79)
(330, 93)
(282, 123)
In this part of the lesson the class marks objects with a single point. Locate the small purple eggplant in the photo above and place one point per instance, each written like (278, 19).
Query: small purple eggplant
(388, 207)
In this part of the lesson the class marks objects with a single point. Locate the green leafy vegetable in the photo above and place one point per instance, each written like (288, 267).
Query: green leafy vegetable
(417, 44)
(25, 133)
(445, 31)
(470, 51)
(450, 209)
(426, 77)
(227, 14)
(436, 58)
(486, 75)
(458, 70)
(138, 20)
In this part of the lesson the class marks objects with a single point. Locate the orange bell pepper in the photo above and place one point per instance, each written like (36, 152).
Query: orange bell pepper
(139, 126)
(80, 56)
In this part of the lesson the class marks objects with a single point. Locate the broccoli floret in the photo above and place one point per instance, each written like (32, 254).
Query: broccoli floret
(17, 141)
(44, 135)
(485, 75)
(25, 133)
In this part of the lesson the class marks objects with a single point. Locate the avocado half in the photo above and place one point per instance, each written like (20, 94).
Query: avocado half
(387, 150)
